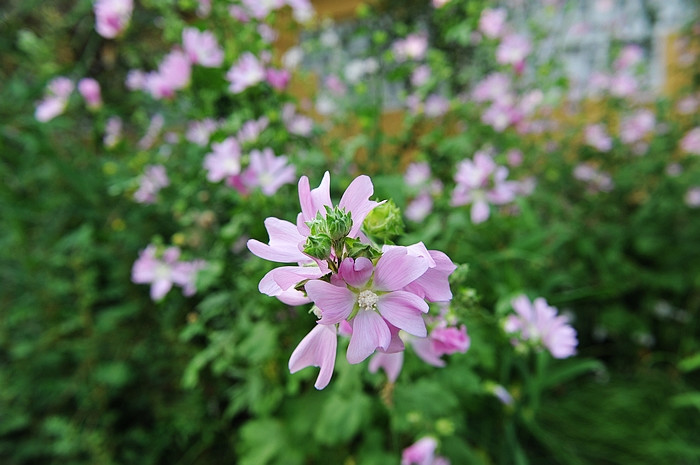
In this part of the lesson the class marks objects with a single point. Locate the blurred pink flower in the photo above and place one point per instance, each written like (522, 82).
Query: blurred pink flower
(635, 127)
(420, 207)
(154, 178)
(136, 80)
(277, 78)
(173, 74)
(480, 182)
(435, 106)
(224, 160)
(597, 137)
(246, 72)
(90, 90)
(199, 132)
(690, 143)
(161, 273)
(623, 85)
(493, 87)
(420, 75)
(422, 452)
(629, 56)
(513, 50)
(539, 324)
(113, 132)
(112, 16)
(294, 122)
(596, 181)
(55, 100)
(251, 130)
(202, 47)
(492, 22)
(692, 197)
(412, 47)
(269, 172)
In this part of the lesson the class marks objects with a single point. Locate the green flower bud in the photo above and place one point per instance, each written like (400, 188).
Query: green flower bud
(355, 248)
(317, 225)
(318, 246)
(384, 222)
(339, 223)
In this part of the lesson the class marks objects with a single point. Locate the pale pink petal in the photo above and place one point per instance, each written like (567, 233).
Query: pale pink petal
(420, 453)
(312, 201)
(434, 284)
(479, 212)
(317, 349)
(523, 307)
(405, 311)
(159, 288)
(293, 297)
(336, 303)
(356, 200)
(286, 277)
(391, 363)
(396, 269)
(369, 331)
(396, 344)
(356, 272)
(423, 347)
(284, 243)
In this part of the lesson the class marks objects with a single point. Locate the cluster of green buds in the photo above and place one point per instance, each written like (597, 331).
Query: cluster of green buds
(328, 238)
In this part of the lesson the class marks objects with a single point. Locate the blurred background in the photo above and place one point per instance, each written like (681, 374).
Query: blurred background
(108, 112)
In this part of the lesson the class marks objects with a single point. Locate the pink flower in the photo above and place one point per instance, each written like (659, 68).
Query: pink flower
(55, 100)
(539, 324)
(420, 75)
(173, 73)
(417, 174)
(136, 79)
(202, 48)
(268, 171)
(596, 181)
(113, 132)
(259, 9)
(224, 160)
(447, 340)
(199, 132)
(514, 157)
(623, 85)
(492, 22)
(435, 106)
(246, 72)
(277, 78)
(420, 207)
(391, 363)
(153, 180)
(317, 349)
(493, 87)
(90, 90)
(692, 197)
(294, 122)
(251, 130)
(481, 182)
(302, 10)
(162, 272)
(152, 133)
(629, 56)
(112, 17)
(412, 47)
(690, 143)
(440, 3)
(422, 452)
(634, 128)
(513, 50)
(597, 137)
(376, 299)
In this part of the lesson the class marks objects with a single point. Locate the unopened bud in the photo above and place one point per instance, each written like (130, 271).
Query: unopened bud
(318, 246)
(384, 222)
(339, 223)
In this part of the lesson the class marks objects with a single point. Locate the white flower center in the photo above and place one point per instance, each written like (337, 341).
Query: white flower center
(367, 300)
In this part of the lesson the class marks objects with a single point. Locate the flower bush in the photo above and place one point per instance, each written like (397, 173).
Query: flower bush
(508, 246)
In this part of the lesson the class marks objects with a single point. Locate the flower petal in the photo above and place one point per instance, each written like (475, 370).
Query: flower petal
(423, 347)
(312, 201)
(396, 269)
(356, 200)
(391, 363)
(284, 243)
(405, 311)
(356, 272)
(318, 348)
(336, 302)
(434, 285)
(369, 331)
